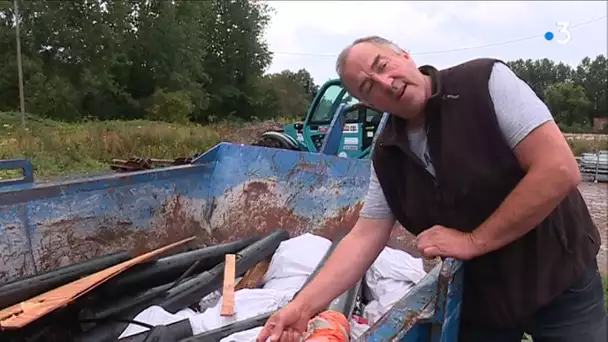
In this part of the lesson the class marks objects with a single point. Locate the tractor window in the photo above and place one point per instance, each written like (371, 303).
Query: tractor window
(323, 113)
(373, 116)
(349, 101)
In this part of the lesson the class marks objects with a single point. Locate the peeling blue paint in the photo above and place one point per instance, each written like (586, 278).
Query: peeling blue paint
(229, 192)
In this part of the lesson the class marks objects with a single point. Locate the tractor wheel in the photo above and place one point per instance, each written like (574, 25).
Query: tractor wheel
(269, 142)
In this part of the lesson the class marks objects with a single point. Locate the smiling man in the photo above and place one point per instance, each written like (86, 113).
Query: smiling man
(472, 163)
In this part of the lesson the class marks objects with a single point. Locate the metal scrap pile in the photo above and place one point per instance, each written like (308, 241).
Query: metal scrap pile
(101, 311)
(181, 297)
(139, 163)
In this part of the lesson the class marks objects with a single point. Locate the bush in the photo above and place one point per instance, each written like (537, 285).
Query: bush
(175, 107)
(606, 291)
(57, 148)
(580, 146)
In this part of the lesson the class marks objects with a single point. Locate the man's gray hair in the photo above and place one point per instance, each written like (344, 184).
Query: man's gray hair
(376, 40)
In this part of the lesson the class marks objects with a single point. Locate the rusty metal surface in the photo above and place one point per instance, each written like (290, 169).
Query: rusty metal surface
(230, 192)
(429, 312)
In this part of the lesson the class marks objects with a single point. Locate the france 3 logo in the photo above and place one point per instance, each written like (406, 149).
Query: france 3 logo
(564, 32)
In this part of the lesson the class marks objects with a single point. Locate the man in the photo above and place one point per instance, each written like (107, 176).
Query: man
(473, 164)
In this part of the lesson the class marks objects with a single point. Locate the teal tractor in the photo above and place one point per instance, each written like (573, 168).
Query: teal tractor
(332, 104)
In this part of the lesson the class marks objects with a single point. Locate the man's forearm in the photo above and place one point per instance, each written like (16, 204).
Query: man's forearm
(532, 200)
(347, 264)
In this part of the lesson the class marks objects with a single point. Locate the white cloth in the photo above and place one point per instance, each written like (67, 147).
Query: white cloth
(389, 278)
(294, 260)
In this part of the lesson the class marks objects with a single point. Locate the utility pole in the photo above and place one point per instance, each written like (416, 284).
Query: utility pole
(19, 67)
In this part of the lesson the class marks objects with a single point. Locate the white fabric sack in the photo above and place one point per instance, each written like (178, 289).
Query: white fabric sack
(391, 270)
(244, 336)
(247, 303)
(294, 261)
(390, 277)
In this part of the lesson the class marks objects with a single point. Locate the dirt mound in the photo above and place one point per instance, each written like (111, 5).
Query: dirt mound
(250, 133)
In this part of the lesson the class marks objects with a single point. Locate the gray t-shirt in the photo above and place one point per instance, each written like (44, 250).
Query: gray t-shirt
(518, 110)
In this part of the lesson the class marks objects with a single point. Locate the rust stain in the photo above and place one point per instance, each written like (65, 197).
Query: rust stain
(175, 224)
(406, 241)
(64, 242)
(305, 165)
(340, 223)
(309, 167)
(258, 210)
(17, 252)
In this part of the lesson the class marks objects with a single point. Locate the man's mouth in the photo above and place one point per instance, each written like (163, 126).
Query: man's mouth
(401, 91)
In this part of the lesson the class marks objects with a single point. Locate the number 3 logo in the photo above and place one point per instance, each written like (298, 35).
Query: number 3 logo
(563, 28)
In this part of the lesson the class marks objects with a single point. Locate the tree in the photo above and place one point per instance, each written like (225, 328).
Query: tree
(197, 61)
(118, 59)
(292, 92)
(574, 95)
(568, 103)
(539, 74)
(593, 77)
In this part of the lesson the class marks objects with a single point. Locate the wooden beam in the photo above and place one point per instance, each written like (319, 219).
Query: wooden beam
(229, 280)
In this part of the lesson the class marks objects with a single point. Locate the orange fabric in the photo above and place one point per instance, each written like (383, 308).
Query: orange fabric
(328, 326)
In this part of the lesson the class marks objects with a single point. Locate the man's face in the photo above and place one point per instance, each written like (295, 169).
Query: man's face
(386, 80)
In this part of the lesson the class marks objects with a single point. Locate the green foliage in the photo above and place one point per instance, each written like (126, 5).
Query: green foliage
(569, 103)
(133, 59)
(574, 95)
(56, 148)
(202, 61)
(606, 291)
(175, 107)
(580, 146)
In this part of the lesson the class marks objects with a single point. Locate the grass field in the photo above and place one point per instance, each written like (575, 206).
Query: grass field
(58, 149)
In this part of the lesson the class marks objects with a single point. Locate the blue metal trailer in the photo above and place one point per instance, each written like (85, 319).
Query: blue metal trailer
(230, 192)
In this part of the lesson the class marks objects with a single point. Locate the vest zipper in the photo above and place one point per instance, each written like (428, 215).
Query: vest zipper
(419, 163)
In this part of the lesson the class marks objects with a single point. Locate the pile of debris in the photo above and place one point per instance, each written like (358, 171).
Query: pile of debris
(247, 135)
(205, 294)
(139, 163)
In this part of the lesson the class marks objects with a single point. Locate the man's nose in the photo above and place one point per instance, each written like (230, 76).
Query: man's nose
(385, 81)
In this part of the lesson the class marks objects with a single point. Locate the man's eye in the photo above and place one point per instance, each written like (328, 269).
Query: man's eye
(383, 65)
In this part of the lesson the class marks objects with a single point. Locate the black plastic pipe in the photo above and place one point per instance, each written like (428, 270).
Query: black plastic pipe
(174, 298)
(166, 270)
(253, 322)
(26, 288)
(191, 290)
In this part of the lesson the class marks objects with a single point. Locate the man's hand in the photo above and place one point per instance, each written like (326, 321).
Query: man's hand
(341, 271)
(440, 241)
(287, 325)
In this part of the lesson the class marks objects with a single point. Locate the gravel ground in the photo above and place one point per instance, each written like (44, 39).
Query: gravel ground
(596, 196)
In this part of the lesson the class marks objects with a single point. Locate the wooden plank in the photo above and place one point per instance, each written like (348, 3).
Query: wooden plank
(21, 314)
(228, 291)
(253, 278)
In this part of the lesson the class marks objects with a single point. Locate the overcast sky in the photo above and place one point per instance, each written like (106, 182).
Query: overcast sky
(309, 34)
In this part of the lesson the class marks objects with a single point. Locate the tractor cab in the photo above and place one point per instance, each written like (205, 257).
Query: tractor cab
(360, 125)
